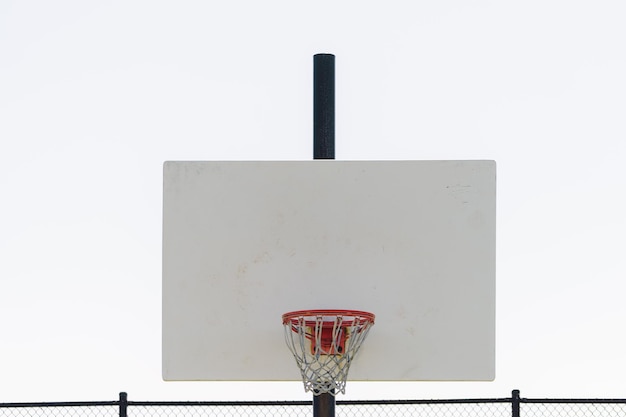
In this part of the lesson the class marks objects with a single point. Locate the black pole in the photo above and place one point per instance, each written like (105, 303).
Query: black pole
(123, 412)
(323, 148)
(324, 106)
(515, 400)
(324, 405)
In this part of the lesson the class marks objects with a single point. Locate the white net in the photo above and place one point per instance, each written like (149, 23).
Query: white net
(324, 343)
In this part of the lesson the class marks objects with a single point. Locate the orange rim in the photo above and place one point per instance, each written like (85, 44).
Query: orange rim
(328, 316)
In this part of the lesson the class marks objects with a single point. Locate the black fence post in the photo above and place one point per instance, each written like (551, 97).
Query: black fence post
(123, 404)
(515, 401)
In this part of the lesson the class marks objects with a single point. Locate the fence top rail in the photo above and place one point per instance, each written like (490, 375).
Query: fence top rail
(309, 403)
(218, 403)
(573, 400)
(60, 404)
(431, 401)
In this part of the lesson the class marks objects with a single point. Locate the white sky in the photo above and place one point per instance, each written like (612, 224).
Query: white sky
(94, 96)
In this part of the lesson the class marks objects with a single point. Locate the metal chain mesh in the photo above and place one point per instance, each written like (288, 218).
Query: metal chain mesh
(577, 409)
(341, 410)
(426, 410)
(222, 411)
(409, 408)
(47, 410)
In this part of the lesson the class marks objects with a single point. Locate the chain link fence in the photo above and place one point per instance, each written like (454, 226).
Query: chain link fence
(514, 406)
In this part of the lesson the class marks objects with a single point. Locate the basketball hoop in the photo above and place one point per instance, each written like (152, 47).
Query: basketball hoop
(324, 343)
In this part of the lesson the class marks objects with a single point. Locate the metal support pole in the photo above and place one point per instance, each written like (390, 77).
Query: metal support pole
(324, 148)
(123, 412)
(515, 401)
(324, 106)
(324, 405)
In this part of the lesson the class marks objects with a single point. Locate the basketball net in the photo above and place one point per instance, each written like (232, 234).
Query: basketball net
(324, 343)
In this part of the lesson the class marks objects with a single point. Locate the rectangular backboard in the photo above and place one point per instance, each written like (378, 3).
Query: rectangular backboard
(411, 241)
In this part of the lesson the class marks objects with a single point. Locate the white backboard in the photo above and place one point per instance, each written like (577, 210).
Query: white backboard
(411, 241)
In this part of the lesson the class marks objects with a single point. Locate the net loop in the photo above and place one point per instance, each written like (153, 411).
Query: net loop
(324, 343)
